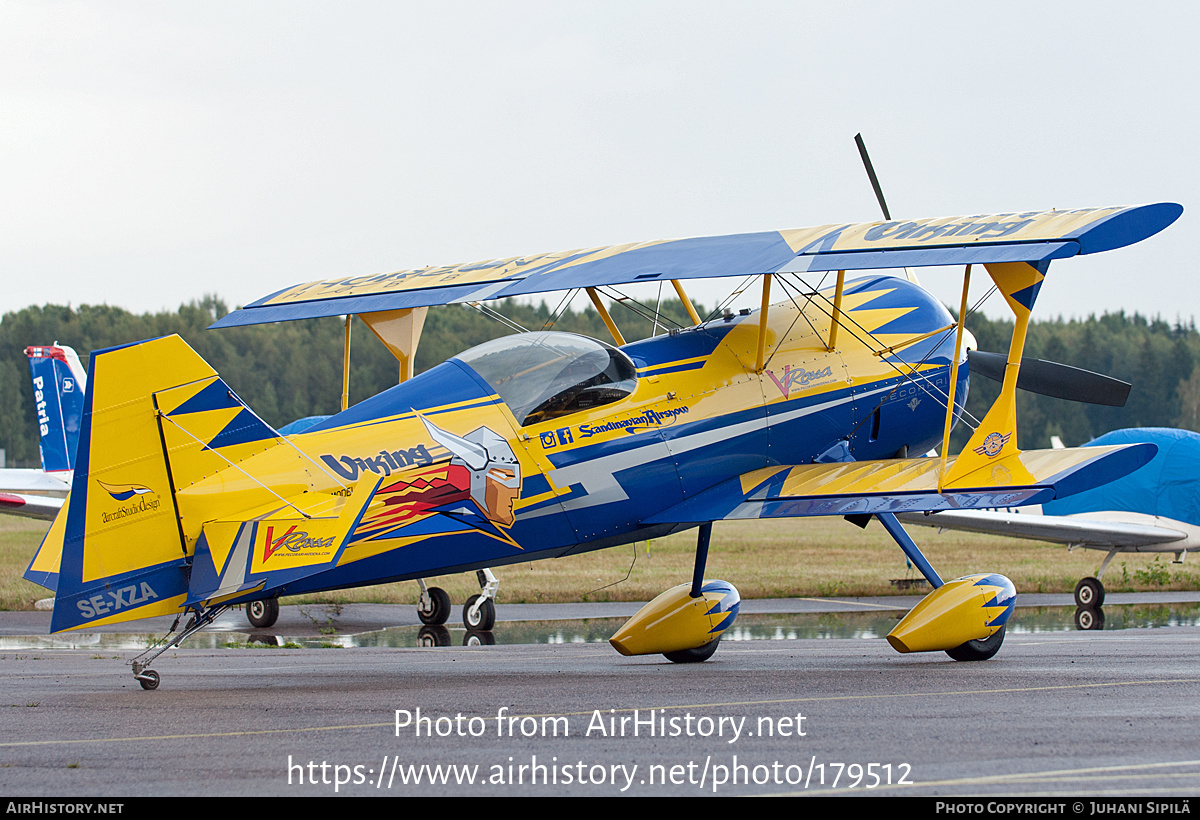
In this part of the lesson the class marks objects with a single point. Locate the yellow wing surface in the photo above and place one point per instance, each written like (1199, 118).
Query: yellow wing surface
(907, 485)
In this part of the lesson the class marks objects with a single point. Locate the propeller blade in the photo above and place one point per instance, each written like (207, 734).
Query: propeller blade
(1059, 381)
(862, 152)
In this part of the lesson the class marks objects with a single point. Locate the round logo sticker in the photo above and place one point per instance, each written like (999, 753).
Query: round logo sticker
(993, 444)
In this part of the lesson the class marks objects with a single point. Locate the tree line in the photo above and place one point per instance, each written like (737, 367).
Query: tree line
(283, 371)
(294, 369)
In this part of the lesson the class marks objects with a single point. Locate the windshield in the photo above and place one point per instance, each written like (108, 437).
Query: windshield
(543, 376)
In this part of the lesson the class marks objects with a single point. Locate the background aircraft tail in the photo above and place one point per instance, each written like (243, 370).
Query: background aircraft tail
(154, 419)
(59, 384)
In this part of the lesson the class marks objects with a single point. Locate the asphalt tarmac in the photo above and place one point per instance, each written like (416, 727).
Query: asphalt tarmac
(1112, 713)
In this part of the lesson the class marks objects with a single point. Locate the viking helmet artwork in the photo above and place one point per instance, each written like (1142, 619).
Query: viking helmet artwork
(495, 471)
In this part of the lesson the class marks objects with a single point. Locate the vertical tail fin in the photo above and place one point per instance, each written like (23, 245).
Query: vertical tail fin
(126, 548)
(59, 384)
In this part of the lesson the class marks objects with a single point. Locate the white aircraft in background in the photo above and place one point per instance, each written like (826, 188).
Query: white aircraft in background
(1153, 509)
(59, 384)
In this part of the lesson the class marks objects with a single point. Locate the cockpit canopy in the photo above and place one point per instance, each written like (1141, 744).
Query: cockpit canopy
(545, 375)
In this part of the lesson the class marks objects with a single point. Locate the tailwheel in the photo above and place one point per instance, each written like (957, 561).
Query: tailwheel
(148, 679)
(978, 650)
(1089, 593)
(264, 613)
(697, 655)
(433, 607)
(480, 619)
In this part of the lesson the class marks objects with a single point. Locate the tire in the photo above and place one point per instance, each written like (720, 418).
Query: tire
(264, 613)
(149, 680)
(484, 620)
(432, 635)
(1089, 593)
(439, 607)
(978, 650)
(698, 655)
(1086, 618)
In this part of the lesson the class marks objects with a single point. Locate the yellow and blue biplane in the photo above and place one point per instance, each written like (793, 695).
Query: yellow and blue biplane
(545, 444)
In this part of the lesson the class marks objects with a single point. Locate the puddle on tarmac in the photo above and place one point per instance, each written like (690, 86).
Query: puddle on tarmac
(749, 627)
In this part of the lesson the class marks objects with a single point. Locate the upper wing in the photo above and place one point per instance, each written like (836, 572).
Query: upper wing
(907, 485)
(1057, 529)
(1016, 237)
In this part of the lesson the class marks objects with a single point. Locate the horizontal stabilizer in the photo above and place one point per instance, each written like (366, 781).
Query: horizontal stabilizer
(907, 485)
(235, 558)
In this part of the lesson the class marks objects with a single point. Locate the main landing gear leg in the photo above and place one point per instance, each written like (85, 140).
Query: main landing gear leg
(896, 530)
(1089, 592)
(147, 677)
(702, 653)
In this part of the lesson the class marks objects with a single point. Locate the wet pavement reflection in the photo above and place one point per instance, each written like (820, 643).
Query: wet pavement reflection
(749, 627)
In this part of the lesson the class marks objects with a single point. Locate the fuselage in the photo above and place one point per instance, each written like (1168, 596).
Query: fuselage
(470, 481)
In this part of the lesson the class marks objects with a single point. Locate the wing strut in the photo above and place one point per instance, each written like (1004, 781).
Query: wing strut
(762, 323)
(962, 317)
(346, 365)
(687, 303)
(837, 311)
(608, 320)
(996, 436)
(400, 332)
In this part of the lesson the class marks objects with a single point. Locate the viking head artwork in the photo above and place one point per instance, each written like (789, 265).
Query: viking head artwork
(495, 471)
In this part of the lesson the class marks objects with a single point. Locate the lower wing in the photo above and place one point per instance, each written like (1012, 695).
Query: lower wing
(907, 485)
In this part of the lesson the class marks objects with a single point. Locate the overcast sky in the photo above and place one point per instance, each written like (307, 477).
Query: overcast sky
(153, 152)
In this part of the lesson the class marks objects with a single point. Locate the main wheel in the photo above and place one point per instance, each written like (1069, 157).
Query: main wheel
(439, 606)
(149, 680)
(697, 655)
(978, 650)
(484, 619)
(264, 613)
(1089, 592)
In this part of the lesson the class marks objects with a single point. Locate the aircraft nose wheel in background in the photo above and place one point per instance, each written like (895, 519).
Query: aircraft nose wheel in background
(479, 614)
(1089, 593)
(263, 614)
(479, 638)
